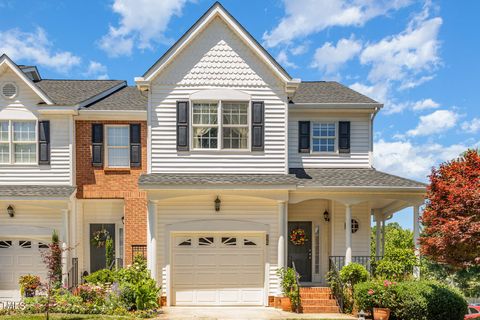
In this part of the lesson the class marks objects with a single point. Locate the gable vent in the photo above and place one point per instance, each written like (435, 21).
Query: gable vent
(9, 90)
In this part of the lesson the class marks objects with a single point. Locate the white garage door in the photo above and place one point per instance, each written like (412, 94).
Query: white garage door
(218, 269)
(19, 257)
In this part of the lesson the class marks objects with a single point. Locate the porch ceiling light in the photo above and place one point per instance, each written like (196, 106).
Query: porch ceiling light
(217, 204)
(326, 216)
(10, 211)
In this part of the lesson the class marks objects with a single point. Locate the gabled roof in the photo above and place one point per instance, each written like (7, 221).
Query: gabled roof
(75, 92)
(4, 59)
(216, 10)
(126, 98)
(310, 92)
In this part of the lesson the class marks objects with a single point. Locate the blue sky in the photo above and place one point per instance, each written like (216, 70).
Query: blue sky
(420, 58)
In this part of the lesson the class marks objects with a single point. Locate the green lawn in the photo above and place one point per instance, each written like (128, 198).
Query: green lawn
(62, 317)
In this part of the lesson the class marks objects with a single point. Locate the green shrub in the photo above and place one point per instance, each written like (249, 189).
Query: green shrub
(109, 252)
(288, 278)
(101, 277)
(353, 273)
(412, 300)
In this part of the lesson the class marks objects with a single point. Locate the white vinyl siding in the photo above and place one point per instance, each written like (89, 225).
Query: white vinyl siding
(217, 58)
(233, 210)
(359, 156)
(23, 108)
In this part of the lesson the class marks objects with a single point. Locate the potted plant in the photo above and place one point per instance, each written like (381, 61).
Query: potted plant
(290, 289)
(28, 285)
(382, 299)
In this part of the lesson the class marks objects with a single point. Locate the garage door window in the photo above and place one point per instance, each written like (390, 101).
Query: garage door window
(42, 245)
(249, 242)
(206, 241)
(5, 244)
(25, 244)
(228, 241)
(184, 242)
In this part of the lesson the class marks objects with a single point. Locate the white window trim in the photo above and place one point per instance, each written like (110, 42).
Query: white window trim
(219, 126)
(105, 134)
(335, 151)
(12, 143)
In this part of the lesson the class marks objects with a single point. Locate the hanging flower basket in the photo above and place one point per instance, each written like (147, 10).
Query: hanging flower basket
(298, 237)
(100, 237)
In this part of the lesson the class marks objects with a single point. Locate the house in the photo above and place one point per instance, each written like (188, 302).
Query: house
(218, 164)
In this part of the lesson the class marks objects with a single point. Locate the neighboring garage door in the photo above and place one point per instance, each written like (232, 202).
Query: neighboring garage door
(19, 257)
(218, 269)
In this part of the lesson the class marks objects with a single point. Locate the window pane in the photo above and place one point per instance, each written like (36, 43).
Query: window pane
(323, 145)
(118, 157)
(235, 113)
(24, 131)
(324, 129)
(235, 138)
(25, 153)
(4, 153)
(3, 130)
(205, 138)
(118, 136)
(205, 113)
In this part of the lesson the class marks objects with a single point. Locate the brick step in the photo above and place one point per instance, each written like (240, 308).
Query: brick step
(319, 302)
(315, 289)
(316, 296)
(322, 309)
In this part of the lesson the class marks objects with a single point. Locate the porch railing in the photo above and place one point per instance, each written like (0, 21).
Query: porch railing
(297, 282)
(72, 276)
(335, 283)
(369, 262)
(139, 250)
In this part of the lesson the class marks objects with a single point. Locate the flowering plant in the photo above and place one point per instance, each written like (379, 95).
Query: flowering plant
(298, 237)
(28, 284)
(382, 296)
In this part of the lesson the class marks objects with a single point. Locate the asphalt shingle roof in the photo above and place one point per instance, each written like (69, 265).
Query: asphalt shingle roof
(352, 178)
(126, 98)
(36, 191)
(328, 92)
(72, 92)
(216, 179)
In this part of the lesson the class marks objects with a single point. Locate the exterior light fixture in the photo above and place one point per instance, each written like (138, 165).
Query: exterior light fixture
(217, 204)
(326, 216)
(361, 315)
(123, 220)
(10, 211)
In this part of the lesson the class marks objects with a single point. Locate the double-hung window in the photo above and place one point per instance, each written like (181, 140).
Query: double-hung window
(220, 125)
(117, 146)
(18, 142)
(323, 137)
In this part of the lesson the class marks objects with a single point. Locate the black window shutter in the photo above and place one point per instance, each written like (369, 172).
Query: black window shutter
(97, 144)
(135, 145)
(182, 126)
(44, 142)
(258, 126)
(344, 137)
(304, 136)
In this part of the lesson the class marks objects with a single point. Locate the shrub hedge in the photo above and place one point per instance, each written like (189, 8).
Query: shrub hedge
(414, 300)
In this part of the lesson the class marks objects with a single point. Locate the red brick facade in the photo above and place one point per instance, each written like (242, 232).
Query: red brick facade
(100, 183)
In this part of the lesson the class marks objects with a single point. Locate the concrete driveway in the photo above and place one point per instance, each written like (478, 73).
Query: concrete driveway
(240, 313)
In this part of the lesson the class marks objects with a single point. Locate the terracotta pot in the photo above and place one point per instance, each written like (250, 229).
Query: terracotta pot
(286, 304)
(381, 313)
(277, 302)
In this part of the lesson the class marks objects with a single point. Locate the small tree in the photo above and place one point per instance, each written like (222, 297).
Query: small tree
(52, 257)
(109, 252)
(451, 218)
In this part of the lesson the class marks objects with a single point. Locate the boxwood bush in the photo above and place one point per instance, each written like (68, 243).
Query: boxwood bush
(414, 300)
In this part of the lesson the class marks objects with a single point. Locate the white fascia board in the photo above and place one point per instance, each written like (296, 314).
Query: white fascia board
(5, 59)
(192, 34)
(216, 187)
(86, 114)
(314, 106)
(60, 110)
(364, 189)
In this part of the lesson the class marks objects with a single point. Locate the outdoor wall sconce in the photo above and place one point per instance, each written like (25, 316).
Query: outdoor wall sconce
(123, 220)
(217, 204)
(326, 216)
(10, 211)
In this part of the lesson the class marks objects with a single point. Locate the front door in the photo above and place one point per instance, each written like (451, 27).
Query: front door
(98, 234)
(300, 248)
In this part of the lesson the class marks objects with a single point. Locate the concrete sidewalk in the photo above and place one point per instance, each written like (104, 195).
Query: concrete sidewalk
(240, 313)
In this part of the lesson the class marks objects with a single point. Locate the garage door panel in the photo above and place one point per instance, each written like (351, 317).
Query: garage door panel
(25, 261)
(228, 270)
(6, 261)
(6, 277)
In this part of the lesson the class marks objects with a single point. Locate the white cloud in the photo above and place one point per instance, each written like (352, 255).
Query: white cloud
(377, 91)
(141, 23)
(97, 70)
(36, 48)
(472, 126)
(304, 17)
(329, 58)
(282, 58)
(436, 122)
(405, 158)
(425, 104)
(404, 56)
(300, 49)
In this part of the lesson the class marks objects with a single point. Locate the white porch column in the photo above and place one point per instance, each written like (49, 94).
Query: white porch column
(383, 237)
(64, 232)
(64, 264)
(64, 245)
(282, 234)
(416, 236)
(152, 239)
(348, 234)
(378, 219)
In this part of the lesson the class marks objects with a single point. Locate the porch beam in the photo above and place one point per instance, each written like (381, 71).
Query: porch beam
(348, 234)
(416, 236)
(152, 239)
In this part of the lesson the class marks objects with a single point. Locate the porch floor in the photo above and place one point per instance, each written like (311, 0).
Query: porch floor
(241, 313)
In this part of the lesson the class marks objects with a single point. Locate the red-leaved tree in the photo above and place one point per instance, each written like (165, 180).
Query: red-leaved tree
(451, 219)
